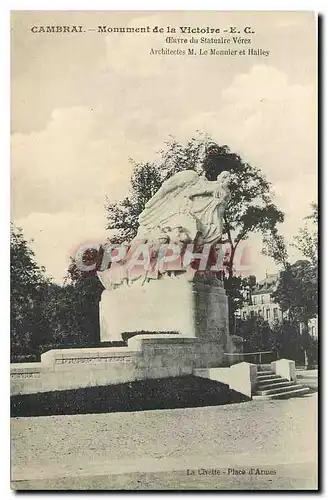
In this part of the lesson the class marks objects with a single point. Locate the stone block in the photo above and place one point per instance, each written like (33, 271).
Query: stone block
(240, 377)
(285, 368)
(190, 308)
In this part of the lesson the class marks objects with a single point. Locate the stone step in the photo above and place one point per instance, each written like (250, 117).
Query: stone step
(275, 383)
(278, 390)
(265, 372)
(267, 378)
(284, 395)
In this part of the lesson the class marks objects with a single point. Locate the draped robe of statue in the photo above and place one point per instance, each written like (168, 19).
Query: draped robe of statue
(188, 208)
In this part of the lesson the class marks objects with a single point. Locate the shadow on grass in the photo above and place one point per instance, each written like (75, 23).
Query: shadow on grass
(152, 394)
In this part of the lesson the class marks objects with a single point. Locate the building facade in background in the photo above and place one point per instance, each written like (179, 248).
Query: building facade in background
(261, 303)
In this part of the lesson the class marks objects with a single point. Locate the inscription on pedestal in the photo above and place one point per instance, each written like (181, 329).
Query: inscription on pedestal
(77, 361)
(25, 375)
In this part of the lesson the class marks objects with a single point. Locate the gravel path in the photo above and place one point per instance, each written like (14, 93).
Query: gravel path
(247, 434)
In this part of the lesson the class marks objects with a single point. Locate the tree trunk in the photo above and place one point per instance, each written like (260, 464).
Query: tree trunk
(231, 311)
(305, 334)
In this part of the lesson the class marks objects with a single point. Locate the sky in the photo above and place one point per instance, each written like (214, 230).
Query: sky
(83, 104)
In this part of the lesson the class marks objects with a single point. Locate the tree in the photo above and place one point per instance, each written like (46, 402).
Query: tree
(297, 293)
(297, 287)
(256, 333)
(45, 315)
(286, 340)
(274, 246)
(28, 285)
(307, 239)
(239, 290)
(79, 315)
(250, 209)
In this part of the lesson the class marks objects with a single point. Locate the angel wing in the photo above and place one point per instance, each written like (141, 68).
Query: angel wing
(168, 201)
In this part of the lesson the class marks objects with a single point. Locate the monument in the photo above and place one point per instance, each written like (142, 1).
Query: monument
(167, 279)
(165, 290)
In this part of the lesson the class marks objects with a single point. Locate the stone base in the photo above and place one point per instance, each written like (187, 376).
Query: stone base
(197, 308)
(197, 311)
(145, 357)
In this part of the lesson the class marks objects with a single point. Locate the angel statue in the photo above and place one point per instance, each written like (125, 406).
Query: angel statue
(188, 208)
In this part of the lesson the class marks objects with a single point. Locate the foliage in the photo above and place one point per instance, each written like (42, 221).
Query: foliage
(28, 285)
(287, 340)
(256, 333)
(77, 303)
(235, 287)
(290, 343)
(313, 353)
(46, 314)
(274, 246)
(281, 337)
(297, 287)
(307, 239)
(239, 290)
(297, 291)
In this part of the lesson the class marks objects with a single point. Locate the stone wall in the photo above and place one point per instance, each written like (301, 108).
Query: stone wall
(74, 368)
(146, 356)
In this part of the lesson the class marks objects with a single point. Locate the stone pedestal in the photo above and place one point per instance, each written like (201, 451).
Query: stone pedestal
(285, 368)
(196, 308)
(145, 357)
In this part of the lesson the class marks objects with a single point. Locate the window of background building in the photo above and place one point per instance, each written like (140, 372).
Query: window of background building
(254, 300)
(262, 299)
(313, 331)
(275, 312)
(268, 313)
(260, 312)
